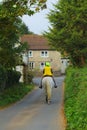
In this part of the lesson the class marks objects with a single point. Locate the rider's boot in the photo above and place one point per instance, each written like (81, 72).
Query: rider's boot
(46, 99)
(55, 86)
(40, 86)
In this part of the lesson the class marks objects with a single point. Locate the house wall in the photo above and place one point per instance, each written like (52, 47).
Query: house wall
(64, 65)
(54, 58)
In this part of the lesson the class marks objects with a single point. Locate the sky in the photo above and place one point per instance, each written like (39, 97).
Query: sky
(38, 23)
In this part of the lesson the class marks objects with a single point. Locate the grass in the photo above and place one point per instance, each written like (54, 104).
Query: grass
(14, 94)
(76, 98)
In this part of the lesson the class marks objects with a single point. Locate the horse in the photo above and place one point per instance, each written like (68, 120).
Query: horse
(48, 84)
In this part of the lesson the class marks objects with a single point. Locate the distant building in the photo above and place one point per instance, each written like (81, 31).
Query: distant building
(39, 52)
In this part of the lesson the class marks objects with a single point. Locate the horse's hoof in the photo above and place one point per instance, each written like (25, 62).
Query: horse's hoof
(49, 102)
(46, 99)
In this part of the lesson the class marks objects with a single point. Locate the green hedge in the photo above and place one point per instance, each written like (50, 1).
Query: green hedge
(76, 98)
(13, 77)
(8, 78)
(3, 77)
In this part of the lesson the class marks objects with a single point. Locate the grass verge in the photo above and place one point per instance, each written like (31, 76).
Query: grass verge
(14, 94)
(76, 98)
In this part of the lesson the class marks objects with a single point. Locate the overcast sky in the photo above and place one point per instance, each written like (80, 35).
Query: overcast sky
(38, 22)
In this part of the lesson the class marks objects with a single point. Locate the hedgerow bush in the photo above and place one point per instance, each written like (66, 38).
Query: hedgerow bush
(3, 78)
(13, 77)
(8, 78)
(76, 98)
(28, 77)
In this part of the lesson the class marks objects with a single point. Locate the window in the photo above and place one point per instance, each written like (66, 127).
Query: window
(42, 64)
(44, 53)
(31, 65)
(30, 54)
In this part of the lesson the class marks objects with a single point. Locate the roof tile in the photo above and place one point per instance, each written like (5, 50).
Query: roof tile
(36, 42)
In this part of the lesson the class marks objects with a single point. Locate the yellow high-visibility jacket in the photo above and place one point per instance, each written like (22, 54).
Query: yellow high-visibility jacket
(47, 71)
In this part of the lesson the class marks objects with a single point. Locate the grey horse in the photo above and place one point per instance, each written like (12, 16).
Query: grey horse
(48, 84)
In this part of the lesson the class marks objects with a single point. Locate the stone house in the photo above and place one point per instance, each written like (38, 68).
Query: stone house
(39, 51)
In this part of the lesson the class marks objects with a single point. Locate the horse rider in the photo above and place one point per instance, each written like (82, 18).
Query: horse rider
(47, 72)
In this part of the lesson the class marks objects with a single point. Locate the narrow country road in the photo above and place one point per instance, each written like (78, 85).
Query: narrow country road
(32, 113)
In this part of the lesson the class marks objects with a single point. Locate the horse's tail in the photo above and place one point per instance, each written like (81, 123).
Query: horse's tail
(48, 89)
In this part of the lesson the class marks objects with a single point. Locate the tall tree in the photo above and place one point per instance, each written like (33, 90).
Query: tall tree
(10, 46)
(69, 29)
(23, 28)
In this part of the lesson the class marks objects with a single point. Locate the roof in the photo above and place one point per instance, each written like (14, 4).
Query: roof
(36, 42)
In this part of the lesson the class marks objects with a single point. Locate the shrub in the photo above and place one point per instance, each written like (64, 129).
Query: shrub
(75, 98)
(28, 76)
(12, 78)
(3, 77)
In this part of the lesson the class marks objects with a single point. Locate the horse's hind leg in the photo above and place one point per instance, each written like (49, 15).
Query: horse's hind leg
(46, 94)
(49, 94)
(46, 98)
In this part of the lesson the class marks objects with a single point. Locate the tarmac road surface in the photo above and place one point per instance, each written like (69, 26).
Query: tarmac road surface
(32, 112)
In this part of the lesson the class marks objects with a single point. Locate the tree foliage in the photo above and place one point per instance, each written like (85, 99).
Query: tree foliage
(24, 29)
(10, 45)
(69, 29)
(21, 7)
(11, 28)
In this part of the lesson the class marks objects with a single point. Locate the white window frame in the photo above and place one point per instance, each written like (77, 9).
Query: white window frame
(31, 65)
(30, 53)
(42, 66)
(45, 54)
